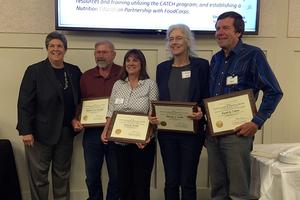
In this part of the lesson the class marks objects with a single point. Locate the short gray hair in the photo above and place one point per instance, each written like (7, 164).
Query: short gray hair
(105, 42)
(189, 36)
(56, 35)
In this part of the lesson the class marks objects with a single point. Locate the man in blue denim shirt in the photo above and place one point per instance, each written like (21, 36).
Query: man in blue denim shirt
(236, 67)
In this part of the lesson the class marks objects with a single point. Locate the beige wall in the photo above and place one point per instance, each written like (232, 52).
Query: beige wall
(24, 27)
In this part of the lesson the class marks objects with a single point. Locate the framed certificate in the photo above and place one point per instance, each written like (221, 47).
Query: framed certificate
(226, 112)
(172, 116)
(129, 127)
(93, 112)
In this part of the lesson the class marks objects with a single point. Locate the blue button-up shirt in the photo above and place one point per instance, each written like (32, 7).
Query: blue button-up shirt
(248, 65)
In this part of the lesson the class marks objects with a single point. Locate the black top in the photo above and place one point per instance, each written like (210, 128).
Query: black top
(65, 83)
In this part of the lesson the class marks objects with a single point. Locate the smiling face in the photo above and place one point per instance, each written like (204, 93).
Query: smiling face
(133, 65)
(226, 35)
(56, 52)
(178, 42)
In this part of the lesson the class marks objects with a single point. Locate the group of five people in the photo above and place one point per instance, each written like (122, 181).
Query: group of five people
(50, 95)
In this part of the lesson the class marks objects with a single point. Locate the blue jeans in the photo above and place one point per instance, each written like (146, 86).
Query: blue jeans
(229, 166)
(94, 153)
(180, 154)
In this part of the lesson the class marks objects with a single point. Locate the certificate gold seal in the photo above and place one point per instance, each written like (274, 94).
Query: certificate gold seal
(118, 131)
(85, 118)
(219, 124)
(163, 123)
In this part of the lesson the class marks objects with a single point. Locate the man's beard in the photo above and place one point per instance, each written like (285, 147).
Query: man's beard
(102, 63)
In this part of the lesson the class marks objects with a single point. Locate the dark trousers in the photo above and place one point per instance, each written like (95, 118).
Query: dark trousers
(94, 153)
(180, 154)
(135, 167)
(40, 156)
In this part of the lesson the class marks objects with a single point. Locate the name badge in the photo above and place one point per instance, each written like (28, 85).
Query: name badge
(119, 101)
(186, 74)
(231, 80)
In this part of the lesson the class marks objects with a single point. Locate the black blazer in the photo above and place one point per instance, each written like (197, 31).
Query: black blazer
(198, 84)
(41, 101)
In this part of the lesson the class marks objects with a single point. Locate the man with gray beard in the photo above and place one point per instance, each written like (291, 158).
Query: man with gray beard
(98, 82)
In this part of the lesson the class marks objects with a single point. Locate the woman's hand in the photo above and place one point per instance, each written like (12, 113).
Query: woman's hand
(143, 145)
(153, 119)
(28, 140)
(196, 115)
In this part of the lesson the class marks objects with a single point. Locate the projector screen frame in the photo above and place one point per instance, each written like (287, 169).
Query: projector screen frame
(146, 31)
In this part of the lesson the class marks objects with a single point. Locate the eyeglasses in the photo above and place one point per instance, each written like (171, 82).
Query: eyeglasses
(103, 52)
(176, 39)
(53, 46)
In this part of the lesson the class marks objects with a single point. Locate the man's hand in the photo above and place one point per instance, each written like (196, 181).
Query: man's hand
(104, 137)
(28, 140)
(246, 129)
(77, 126)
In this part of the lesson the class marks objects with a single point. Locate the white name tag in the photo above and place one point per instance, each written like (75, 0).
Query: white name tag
(119, 101)
(186, 74)
(231, 80)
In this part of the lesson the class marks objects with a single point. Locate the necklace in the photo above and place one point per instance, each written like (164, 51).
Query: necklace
(66, 81)
(62, 77)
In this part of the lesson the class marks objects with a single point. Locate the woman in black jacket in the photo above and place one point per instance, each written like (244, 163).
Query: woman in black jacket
(48, 97)
(184, 77)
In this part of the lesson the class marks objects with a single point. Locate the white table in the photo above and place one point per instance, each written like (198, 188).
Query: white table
(272, 179)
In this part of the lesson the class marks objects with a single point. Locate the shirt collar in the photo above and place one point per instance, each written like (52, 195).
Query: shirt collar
(141, 82)
(238, 47)
(236, 50)
(114, 71)
(96, 71)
